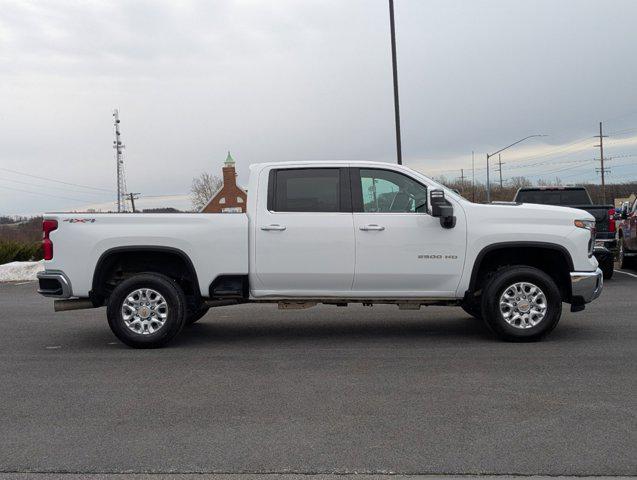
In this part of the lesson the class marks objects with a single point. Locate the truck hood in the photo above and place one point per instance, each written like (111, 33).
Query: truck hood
(534, 211)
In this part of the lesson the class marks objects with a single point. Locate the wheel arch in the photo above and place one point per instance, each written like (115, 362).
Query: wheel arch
(176, 262)
(526, 253)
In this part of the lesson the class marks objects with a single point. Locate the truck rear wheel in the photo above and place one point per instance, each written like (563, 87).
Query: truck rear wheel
(521, 304)
(147, 310)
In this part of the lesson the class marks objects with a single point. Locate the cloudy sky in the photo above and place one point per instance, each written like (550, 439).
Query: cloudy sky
(303, 80)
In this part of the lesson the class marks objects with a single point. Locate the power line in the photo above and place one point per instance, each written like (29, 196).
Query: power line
(543, 155)
(49, 186)
(627, 130)
(562, 148)
(45, 194)
(524, 165)
(595, 174)
(53, 180)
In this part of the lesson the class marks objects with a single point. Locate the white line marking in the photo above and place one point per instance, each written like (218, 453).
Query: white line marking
(53, 347)
(626, 273)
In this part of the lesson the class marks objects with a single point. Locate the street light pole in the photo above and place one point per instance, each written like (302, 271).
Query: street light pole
(392, 29)
(489, 155)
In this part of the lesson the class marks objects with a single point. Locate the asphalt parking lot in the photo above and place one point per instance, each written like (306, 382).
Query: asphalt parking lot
(255, 390)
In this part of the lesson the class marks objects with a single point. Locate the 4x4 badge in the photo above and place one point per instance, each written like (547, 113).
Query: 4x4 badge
(79, 220)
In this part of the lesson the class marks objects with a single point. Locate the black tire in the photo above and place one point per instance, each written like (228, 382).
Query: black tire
(624, 261)
(608, 267)
(193, 316)
(501, 281)
(174, 311)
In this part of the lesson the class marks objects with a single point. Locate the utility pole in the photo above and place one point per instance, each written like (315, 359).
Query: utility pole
(462, 179)
(500, 169)
(489, 155)
(473, 176)
(602, 170)
(392, 29)
(119, 159)
(133, 197)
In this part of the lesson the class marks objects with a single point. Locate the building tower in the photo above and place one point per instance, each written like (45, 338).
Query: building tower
(119, 160)
(230, 198)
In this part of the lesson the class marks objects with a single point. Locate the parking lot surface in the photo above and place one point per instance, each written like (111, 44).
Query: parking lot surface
(255, 390)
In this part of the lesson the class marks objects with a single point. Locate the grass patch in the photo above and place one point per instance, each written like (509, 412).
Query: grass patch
(11, 251)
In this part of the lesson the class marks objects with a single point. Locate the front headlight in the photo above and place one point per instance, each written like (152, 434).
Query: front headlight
(590, 226)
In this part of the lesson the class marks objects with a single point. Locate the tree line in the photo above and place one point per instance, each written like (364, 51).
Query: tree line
(507, 192)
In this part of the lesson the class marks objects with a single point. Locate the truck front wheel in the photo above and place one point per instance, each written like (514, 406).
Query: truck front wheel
(521, 304)
(147, 310)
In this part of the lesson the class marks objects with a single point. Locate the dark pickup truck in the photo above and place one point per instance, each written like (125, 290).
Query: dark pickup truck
(578, 197)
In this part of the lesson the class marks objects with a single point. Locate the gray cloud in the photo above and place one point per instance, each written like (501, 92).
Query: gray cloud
(290, 80)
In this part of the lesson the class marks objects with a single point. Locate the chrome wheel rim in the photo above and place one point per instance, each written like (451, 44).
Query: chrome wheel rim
(523, 305)
(144, 311)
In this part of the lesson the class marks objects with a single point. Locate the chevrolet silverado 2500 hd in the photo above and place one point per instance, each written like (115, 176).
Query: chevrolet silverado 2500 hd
(332, 233)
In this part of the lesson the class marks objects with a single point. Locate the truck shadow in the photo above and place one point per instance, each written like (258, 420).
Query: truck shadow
(422, 331)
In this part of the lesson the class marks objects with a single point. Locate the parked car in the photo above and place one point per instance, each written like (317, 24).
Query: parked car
(326, 232)
(627, 237)
(578, 197)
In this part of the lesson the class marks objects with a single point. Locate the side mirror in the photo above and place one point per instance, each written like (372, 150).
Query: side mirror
(441, 208)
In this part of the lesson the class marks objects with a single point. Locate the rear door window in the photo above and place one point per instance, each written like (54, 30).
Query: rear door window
(308, 190)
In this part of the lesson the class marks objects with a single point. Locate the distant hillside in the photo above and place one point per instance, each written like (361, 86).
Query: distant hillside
(23, 230)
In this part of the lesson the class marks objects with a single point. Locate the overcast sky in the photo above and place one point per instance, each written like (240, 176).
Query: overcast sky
(303, 80)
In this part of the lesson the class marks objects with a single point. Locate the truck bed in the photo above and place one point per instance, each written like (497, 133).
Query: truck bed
(216, 244)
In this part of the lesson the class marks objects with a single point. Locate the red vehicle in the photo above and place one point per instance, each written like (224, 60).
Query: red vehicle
(627, 237)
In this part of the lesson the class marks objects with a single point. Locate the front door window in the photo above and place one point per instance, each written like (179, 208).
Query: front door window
(385, 191)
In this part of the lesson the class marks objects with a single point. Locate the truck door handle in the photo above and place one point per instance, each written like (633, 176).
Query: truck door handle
(274, 226)
(371, 227)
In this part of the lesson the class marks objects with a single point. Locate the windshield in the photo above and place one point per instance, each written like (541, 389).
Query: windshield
(554, 197)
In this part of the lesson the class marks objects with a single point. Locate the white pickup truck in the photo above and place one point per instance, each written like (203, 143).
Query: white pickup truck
(332, 233)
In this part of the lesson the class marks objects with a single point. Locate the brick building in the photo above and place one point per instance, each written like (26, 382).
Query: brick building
(230, 198)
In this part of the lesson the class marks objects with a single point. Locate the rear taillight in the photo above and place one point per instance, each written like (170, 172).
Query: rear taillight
(611, 222)
(47, 245)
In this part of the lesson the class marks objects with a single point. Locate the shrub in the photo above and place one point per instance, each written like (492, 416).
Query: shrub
(19, 251)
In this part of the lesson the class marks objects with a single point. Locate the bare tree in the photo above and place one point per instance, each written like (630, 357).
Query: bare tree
(202, 189)
(519, 182)
(549, 183)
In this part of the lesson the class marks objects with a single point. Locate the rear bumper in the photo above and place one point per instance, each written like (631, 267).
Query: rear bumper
(586, 286)
(54, 283)
(609, 243)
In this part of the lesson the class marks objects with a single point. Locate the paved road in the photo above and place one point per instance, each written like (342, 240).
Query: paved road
(371, 390)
